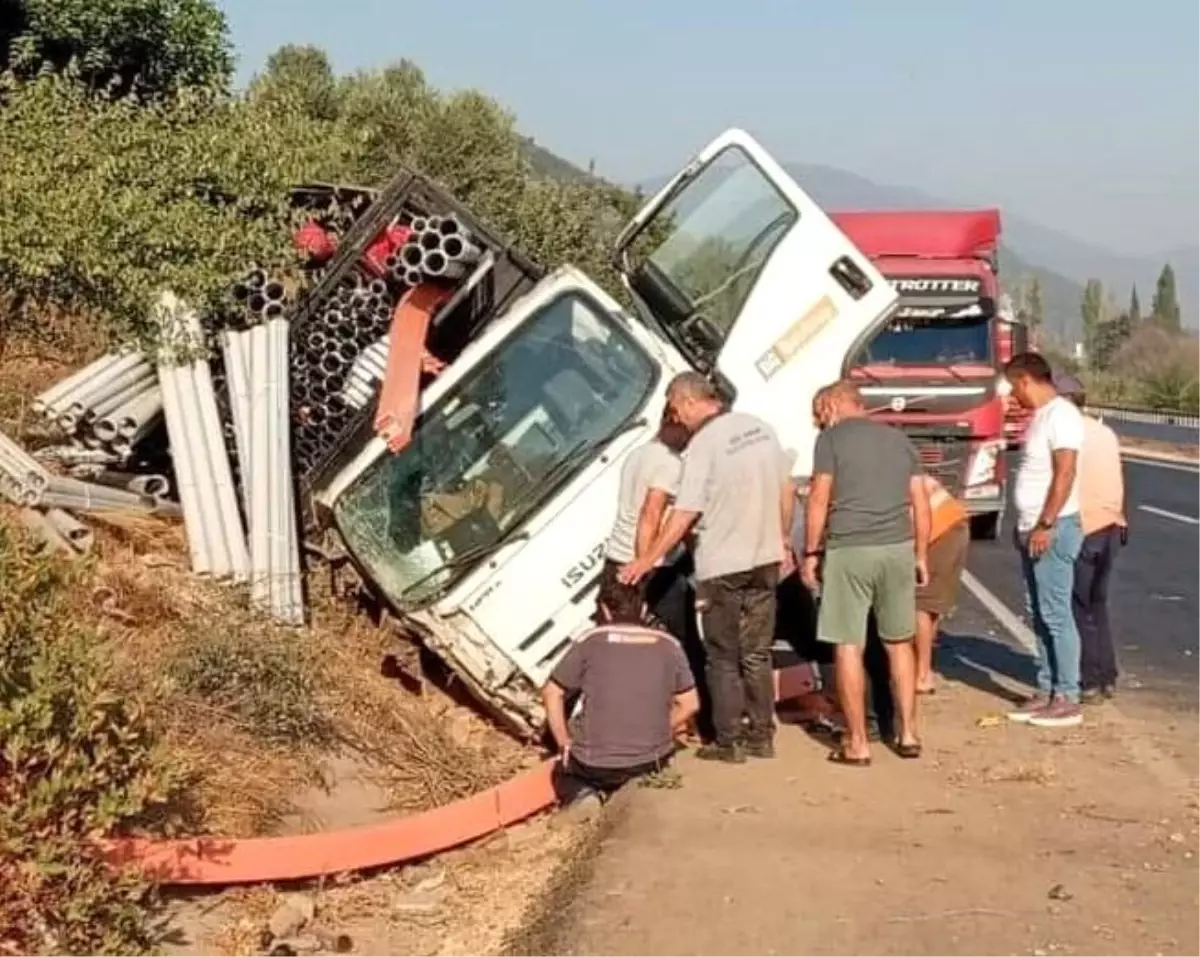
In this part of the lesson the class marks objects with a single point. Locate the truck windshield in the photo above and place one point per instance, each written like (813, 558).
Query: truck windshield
(568, 377)
(711, 240)
(938, 342)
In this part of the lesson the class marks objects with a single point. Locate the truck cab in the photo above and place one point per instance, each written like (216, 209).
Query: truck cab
(933, 370)
(486, 532)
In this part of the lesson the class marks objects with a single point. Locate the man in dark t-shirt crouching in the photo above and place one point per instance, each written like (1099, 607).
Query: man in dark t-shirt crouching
(637, 693)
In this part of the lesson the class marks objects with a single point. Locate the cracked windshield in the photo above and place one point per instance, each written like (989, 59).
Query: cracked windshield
(478, 460)
(727, 221)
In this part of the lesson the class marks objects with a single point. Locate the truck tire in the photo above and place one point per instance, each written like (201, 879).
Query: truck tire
(987, 526)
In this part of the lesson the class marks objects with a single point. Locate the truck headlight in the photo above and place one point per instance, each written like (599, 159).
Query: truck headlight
(983, 464)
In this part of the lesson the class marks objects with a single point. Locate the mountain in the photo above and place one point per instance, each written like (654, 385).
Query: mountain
(1060, 262)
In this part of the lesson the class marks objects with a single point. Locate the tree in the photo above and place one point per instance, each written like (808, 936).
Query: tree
(1135, 308)
(1092, 312)
(1162, 365)
(303, 75)
(1164, 308)
(1032, 311)
(1109, 338)
(147, 47)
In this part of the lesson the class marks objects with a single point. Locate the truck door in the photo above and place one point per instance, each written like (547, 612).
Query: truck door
(740, 269)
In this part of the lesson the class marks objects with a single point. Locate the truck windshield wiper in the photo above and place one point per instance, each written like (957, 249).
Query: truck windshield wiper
(473, 554)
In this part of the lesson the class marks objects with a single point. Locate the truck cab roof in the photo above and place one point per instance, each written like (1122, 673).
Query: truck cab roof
(923, 234)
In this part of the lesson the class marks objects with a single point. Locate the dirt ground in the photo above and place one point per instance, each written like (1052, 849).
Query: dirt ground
(1001, 840)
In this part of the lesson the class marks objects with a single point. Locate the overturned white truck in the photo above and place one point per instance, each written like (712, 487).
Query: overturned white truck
(486, 532)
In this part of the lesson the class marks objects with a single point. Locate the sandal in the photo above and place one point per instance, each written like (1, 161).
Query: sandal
(910, 751)
(840, 757)
(932, 689)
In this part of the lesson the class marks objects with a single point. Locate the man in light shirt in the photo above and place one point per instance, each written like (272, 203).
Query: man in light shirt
(1102, 515)
(1049, 537)
(649, 483)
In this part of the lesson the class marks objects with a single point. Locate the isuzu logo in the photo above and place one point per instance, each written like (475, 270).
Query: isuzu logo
(899, 403)
(578, 572)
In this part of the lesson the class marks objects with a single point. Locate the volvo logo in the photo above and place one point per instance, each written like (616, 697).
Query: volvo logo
(899, 403)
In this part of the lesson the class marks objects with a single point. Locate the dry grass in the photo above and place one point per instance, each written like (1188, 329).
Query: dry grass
(253, 711)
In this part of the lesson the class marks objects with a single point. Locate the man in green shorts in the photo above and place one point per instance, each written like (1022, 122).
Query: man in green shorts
(866, 477)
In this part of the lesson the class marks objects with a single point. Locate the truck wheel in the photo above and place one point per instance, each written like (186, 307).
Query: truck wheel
(987, 527)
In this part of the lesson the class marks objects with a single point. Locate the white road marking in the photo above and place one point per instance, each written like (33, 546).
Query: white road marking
(1001, 612)
(1160, 463)
(1187, 519)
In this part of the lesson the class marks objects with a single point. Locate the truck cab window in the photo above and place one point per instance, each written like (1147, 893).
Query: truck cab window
(706, 247)
(480, 458)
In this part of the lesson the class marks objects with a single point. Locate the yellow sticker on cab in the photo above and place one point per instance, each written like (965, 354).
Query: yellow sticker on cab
(798, 335)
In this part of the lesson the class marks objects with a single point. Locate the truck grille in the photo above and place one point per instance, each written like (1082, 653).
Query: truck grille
(943, 451)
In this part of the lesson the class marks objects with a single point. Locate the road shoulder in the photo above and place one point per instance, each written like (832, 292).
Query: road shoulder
(1001, 840)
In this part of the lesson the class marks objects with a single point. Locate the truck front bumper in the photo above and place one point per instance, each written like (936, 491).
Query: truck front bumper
(984, 499)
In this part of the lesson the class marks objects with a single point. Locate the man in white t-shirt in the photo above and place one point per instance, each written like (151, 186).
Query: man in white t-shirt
(649, 483)
(1049, 536)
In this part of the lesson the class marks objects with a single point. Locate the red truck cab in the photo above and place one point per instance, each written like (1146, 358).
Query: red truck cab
(934, 369)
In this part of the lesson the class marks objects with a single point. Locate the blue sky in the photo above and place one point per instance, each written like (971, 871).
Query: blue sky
(1086, 121)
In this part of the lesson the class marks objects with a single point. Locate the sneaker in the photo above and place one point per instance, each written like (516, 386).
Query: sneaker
(1022, 714)
(729, 753)
(759, 749)
(1093, 695)
(1060, 713)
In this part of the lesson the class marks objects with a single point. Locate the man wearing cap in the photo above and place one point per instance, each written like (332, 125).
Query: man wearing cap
(1102, 516)
(1049, 536)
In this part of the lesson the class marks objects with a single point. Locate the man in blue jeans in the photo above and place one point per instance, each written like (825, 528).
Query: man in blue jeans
(1049, 536)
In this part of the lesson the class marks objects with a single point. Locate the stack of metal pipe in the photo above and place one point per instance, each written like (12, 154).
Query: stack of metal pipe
(439, 247)
(262, 295)
(109, 405)
(216, 537)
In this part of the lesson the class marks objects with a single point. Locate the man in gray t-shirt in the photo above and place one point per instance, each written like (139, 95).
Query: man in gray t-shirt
(868, 514)
(637, 694)
(736, 489)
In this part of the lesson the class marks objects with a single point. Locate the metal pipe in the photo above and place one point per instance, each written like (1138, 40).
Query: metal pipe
(89, 503)
(450, 226)
(274, 291)
(414, 277)
(45, 400)
(378, 287)
(273, 310)
(70, 528)
(257, 303)
(240, 291)
(256, 279)
(459, 249)
(433, 224)
(436, 264)
(429, 240)
(419, 224)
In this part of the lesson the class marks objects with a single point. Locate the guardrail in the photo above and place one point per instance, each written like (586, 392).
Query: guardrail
(1151, 416)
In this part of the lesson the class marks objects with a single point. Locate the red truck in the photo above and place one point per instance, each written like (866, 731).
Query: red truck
(1012, 336)
(934, 369)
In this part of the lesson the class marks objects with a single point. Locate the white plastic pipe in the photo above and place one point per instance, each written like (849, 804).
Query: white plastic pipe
(230, 520)
(70, 528)
(185, 476)
(98, 410)
(100, 384)
(46, 400)
(206, 491)
(235, 348)
(97, 392)
(277, 521)
(260, 420)
(143, 411)
(156, 486)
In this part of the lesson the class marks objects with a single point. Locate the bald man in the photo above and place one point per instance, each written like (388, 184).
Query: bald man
(736, 487)
(868, 517)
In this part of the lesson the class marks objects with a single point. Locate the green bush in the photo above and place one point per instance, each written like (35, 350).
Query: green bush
(78, 760)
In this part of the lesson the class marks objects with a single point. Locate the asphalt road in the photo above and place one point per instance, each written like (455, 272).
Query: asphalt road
(1163, 433)
(1153, 592)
